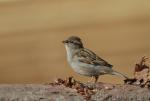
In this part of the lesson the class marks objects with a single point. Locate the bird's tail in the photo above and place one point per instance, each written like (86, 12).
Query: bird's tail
(119, 74)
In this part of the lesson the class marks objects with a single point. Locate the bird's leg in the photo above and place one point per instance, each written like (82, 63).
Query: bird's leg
(91, 79)
(96, 78)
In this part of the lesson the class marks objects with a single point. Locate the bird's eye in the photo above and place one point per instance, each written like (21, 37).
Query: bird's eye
(74, 42)
(71, 42)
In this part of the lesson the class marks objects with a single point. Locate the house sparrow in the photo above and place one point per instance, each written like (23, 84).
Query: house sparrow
(85, 62)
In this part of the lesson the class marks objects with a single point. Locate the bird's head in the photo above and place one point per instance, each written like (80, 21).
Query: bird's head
(73, 42)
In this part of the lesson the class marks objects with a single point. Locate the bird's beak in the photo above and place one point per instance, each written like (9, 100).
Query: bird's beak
(65, 41)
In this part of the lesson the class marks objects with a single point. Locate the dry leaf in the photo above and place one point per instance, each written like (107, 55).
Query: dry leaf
(141, 74)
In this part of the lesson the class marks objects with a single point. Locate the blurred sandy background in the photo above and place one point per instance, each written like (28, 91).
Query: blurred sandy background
(31, 32)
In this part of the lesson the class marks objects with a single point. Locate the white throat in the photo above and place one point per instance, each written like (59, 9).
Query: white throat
(70, 53)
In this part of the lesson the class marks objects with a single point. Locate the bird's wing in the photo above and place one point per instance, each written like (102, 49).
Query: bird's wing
(90, 57)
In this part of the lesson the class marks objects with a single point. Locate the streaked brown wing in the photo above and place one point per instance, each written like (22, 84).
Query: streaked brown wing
(90, 57)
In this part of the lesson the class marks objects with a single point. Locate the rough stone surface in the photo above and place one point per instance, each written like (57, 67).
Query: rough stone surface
(123, 93)
(34, 92)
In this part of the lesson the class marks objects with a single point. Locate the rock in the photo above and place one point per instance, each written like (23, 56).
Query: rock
(123, 93)
(37, 92)
(33, 92)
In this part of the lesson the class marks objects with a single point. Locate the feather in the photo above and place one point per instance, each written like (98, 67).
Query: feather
(89, 57)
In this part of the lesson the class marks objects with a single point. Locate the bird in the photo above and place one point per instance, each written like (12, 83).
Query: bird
(85, 62)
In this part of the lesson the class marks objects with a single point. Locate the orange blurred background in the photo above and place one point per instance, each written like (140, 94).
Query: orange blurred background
(31, 32)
